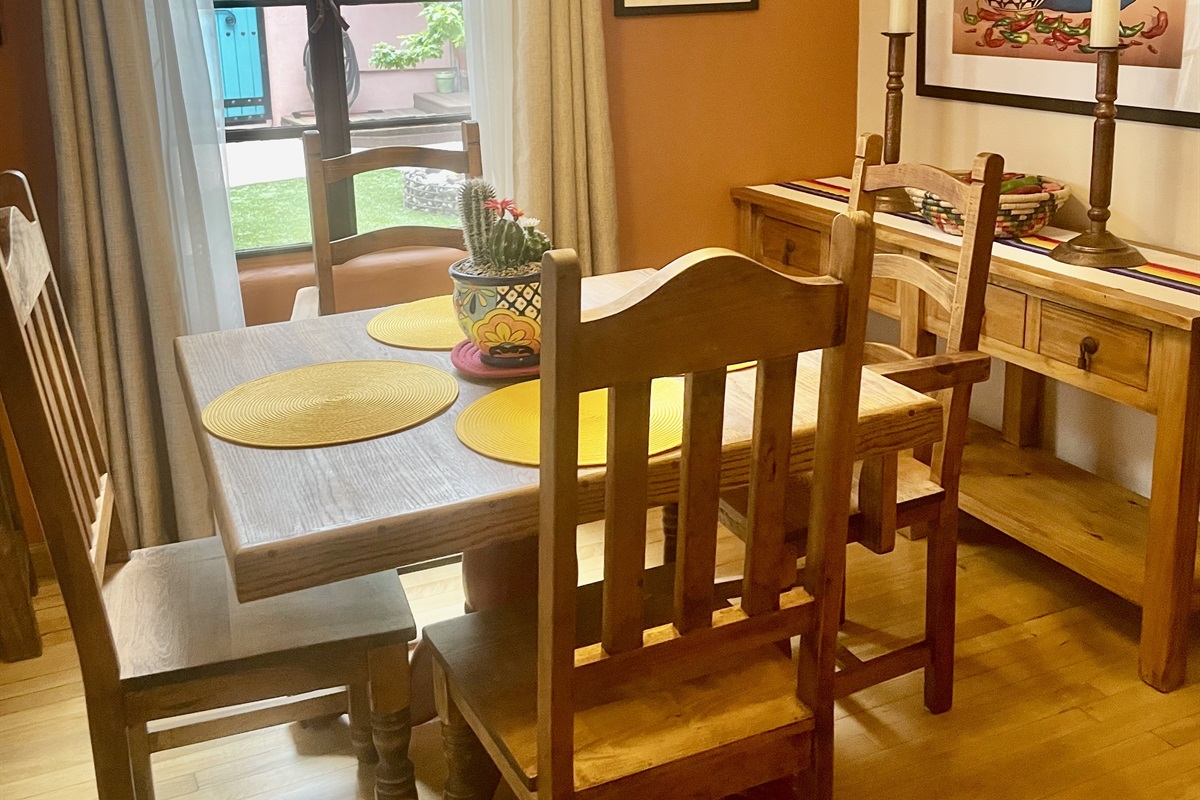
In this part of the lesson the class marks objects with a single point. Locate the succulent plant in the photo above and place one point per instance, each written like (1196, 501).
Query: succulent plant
(536, 245)
(477, 220)
(507, 245)
(502, 241)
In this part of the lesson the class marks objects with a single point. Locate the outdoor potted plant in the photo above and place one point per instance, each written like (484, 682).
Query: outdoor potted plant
(497, 289)
(444, 27)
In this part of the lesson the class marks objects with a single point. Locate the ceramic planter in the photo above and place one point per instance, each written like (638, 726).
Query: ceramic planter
(501, 316)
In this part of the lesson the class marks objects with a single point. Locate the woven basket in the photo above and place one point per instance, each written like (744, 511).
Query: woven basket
(1015, 6)
(1020, 215)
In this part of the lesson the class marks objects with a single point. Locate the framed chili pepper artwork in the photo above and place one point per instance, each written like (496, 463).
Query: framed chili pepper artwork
(1037, 54)
(639, 8)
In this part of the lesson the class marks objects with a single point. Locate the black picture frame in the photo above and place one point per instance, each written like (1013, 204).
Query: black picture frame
(1158, 116)
(621, 10)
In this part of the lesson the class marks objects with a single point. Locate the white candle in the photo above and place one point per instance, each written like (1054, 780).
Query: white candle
(1106, 23)
(903, 16)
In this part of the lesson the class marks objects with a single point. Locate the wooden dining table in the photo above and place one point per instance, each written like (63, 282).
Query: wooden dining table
(294, 519)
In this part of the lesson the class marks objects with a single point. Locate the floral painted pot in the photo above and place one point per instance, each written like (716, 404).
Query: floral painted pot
(501, 316)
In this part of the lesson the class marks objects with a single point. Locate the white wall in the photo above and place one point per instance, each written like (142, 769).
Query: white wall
(1156, 191)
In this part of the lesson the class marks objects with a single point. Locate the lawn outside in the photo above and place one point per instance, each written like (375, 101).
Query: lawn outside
(275, 213)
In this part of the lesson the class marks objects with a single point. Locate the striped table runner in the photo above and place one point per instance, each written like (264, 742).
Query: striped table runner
(1161, 274)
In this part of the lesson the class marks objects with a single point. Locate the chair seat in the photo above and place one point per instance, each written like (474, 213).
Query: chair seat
(917, 499)
(629, 735)
(174, 616)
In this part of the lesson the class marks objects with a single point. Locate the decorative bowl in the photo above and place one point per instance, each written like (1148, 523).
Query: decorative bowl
(1020, 215)
(500, 315)
(1015, 6)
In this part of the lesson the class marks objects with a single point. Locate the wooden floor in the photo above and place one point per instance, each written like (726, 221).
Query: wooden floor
(1048, 705)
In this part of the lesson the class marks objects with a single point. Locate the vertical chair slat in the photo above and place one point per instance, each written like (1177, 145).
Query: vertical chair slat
(57, 312)
(102, 527)
(90, 469)
(56, 390)
(699, 498)
(46, 398)
(770, 458)
(626, 493)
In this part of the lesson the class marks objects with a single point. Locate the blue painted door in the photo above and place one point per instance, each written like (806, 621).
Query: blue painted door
(242, 53)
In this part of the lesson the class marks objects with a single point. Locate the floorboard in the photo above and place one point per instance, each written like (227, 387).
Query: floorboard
(1048, 705)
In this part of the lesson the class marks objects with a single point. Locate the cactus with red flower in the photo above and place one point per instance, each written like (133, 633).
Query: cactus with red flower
(502, 240)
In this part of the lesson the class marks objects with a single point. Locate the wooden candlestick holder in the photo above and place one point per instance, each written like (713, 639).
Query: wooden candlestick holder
(1097, 247)
(894, 200)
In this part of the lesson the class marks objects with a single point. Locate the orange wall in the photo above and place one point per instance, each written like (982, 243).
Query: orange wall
(705, 102)
(26, 138)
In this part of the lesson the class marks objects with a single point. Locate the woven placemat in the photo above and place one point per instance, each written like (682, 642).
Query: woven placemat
(327, 404)
(505, 423)
(427, 324)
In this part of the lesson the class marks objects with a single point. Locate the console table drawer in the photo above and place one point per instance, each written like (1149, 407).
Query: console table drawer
(791, 248)
(1003, 317)
(1095, 344)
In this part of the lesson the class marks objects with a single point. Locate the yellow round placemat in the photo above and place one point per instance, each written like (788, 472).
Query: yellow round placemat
(506, 423)
(741, 366)
(427, 324)
(334, 403)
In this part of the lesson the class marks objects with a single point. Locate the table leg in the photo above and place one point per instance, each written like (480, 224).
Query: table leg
(1174, 507)
(1023, 390)
(391, 722)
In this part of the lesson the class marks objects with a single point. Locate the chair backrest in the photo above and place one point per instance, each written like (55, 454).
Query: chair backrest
(55, 431)
(668, 326)
(325, 172)
(919, 281)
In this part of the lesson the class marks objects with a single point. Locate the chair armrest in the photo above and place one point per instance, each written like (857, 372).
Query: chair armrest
(932, 373)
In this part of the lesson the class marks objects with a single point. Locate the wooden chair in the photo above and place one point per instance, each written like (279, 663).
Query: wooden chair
(714, 702)
(414, 259)
(159, 632)
(921, 490)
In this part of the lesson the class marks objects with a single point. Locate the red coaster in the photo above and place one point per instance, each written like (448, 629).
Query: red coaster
(465, 358)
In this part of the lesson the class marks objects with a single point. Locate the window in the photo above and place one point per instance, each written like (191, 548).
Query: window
(396, 76)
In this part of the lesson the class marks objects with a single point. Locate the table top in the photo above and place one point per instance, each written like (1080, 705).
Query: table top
(293, 519)
(1140, 297)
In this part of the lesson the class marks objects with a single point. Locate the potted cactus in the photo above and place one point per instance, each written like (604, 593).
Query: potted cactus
(497, 290)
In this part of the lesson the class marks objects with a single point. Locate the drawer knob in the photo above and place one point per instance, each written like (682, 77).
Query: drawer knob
(1088, 347)
(789, 247)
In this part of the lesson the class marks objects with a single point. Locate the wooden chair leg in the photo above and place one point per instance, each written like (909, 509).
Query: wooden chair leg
(472, 774)
(391, 722)
(361, 737)
(111, 755)
(940, 592)
(139, 758)
(670, 528)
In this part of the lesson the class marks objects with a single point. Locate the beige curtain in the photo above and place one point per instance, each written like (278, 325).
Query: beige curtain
(563, 140)
(118, 261)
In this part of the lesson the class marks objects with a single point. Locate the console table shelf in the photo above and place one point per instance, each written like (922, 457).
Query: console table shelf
(1094, 527)
(1130, 336)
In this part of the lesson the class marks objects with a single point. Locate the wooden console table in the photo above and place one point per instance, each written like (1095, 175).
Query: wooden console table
(1117, 336)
